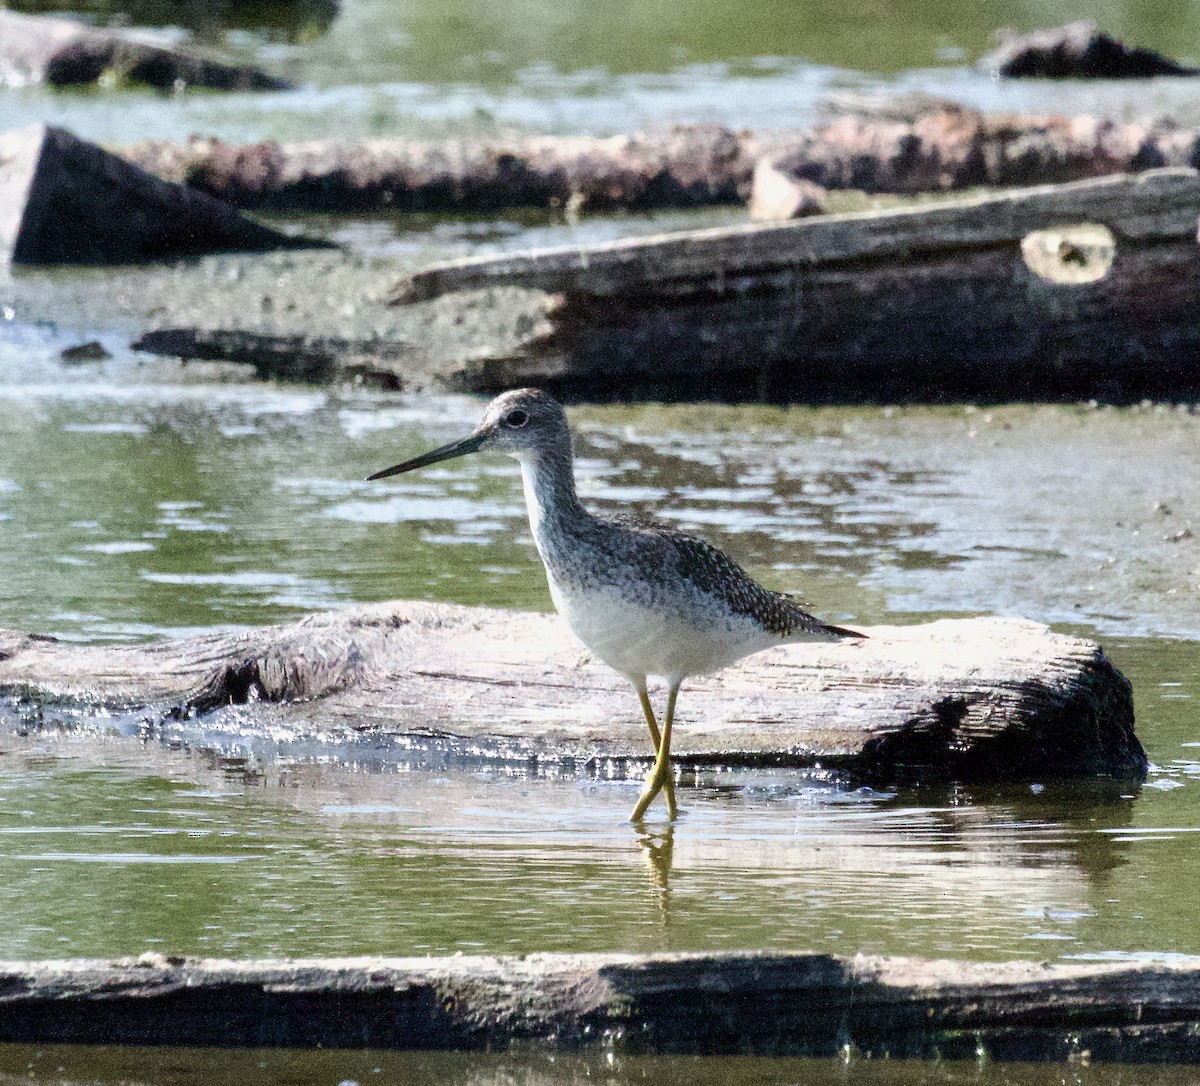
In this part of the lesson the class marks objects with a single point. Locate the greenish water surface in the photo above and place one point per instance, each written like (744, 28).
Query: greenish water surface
(454, 67)
(139, 511)
(138, 501)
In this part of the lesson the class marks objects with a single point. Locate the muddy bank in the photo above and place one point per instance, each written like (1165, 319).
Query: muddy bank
(1002, 296)
(765, 1003)
(979, 699)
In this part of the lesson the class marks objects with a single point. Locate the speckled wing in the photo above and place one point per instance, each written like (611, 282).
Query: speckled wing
(712, 572)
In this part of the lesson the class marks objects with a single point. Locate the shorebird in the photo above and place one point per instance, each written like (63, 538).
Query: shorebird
(644, 598)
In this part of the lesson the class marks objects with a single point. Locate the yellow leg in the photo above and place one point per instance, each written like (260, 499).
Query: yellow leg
(652, 724)
(661, 774)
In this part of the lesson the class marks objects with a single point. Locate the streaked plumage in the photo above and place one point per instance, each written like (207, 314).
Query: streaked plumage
(644, 598)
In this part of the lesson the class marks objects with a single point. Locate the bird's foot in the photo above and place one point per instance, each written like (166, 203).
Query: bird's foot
(659, 779)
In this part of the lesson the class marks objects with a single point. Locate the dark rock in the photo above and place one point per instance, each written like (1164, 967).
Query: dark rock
(64, 53)
(293, 20)
(285, 358)
(66, 201)
(92, 351)
(1076, 51)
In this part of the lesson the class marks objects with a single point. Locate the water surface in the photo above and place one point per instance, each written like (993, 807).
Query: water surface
(175, 1067)
(139, 511)
(432, 67)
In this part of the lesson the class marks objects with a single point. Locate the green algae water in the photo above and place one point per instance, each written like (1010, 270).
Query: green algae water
(435, 68)
(141, 511)
(140, 501)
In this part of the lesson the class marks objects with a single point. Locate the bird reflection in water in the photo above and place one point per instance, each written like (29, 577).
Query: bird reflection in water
(658, 847)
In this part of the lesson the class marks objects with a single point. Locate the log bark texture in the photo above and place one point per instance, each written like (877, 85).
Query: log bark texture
(933, 147)
(972, 699)
(685, 166)
(65, 53)
(66, 201)
(800, 1004)
(812, 309)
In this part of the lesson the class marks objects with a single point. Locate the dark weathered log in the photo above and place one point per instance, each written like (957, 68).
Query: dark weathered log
(285, 358)
(1077, 50)
(812, 309)
(1157, 205)
(66, 201)
(932, 147)
(765, 1003)
(972, 699)
(62, 53)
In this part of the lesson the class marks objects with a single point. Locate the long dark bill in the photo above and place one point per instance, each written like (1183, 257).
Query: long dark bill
(468, 444)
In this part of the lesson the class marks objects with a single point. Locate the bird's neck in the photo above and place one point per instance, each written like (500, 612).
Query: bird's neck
(549, 479)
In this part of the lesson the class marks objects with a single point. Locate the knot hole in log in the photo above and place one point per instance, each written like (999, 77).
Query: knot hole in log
(1081, 253)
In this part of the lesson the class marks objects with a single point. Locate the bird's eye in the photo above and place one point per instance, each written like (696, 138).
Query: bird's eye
(516, 419)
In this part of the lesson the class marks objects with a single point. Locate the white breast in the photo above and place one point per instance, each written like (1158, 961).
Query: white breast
(637, 640)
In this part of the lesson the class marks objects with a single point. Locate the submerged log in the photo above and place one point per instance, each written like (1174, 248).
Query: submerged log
(812, 309)
(971, 699)
(64, 200)
(304, 359)
(799, 1004)
(65, 53)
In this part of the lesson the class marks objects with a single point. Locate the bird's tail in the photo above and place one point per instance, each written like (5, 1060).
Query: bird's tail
(841, 633)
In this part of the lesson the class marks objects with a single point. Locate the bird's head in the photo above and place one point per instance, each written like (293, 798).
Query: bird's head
(521, 423)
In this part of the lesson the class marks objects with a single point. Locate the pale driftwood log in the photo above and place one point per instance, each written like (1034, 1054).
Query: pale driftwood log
(803, 1004)
(975, 699)
(682, 166)
(936, 301)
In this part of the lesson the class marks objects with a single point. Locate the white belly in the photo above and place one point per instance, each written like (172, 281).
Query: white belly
(638, 640)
